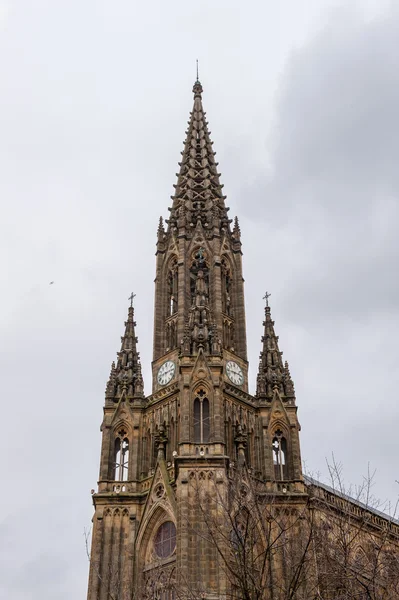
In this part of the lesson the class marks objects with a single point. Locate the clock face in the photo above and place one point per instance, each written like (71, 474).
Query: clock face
(166, 372)
(234, 372)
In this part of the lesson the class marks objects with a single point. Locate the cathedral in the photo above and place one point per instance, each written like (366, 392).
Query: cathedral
(199, 473)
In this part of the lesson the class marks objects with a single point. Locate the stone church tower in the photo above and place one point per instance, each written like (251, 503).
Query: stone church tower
(200, 422)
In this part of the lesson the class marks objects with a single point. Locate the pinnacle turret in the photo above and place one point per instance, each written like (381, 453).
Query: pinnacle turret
(236, 229)
(198, 192)
(126, 374)
(272, 372)
(161, 229)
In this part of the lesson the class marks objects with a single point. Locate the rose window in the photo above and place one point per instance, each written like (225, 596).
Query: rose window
(165, 540)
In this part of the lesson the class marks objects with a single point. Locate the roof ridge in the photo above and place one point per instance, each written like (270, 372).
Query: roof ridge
(311, 481)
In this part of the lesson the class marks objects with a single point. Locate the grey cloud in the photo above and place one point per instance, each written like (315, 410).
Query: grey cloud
(326, 204)
(334, 180)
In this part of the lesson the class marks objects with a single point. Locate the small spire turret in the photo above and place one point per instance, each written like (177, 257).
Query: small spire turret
(126, 374)
(288, 383)
(236, 229)
(110, 388)
(272, 374)
(161, 229)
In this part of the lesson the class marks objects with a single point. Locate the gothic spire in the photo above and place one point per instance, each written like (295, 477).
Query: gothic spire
(198, 192)
(236, 229)
(272, 372)
(161, 230)
(126, 374)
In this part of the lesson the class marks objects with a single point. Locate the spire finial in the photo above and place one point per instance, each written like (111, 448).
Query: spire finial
(126, 376)
(131, 298)
(197, 89)
(273, 373)
(266, 299)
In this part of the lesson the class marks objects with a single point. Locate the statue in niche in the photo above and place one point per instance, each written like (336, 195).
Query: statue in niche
(197, 286)
(228, 302)
(201, 289)
(199, 314)
(199, 257)
(226, 288)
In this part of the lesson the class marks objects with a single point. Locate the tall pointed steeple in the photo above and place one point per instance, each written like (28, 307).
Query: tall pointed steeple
(199, 249)
(198, 192)
(126, 374)
(272, 372)
(200, 427)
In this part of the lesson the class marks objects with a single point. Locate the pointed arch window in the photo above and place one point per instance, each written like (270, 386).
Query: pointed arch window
(172, 287)
(121, 457)
(226, 287)
(201, 418)
(279, 447)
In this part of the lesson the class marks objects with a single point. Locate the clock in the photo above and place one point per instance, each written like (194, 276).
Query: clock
(166, 372)
(234, 372)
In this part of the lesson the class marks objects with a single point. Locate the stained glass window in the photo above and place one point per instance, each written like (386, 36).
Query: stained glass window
(165, 540)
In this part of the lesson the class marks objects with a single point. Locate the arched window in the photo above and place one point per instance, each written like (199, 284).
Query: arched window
(165, 540)
(172, 288)
(201, 418)
(226, 288)
(360, 561)
(121, 458)
(279, 446)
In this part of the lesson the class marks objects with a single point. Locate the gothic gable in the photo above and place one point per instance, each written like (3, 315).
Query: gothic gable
(160, 507)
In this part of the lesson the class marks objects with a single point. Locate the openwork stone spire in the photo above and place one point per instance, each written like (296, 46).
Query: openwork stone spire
(198, 195)
(272, 374)
(126, 374)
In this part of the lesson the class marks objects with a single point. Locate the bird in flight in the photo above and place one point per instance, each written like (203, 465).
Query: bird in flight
(51, 282)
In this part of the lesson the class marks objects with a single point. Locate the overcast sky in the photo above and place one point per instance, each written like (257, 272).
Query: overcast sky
(302, 99)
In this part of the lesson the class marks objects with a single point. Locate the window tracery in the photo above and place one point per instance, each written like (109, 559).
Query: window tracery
(172, 287)
(201, 418)
(226, 287)
(279, 447)
(165, 540)
(160, 585)
(121, 456)
(360, 562)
